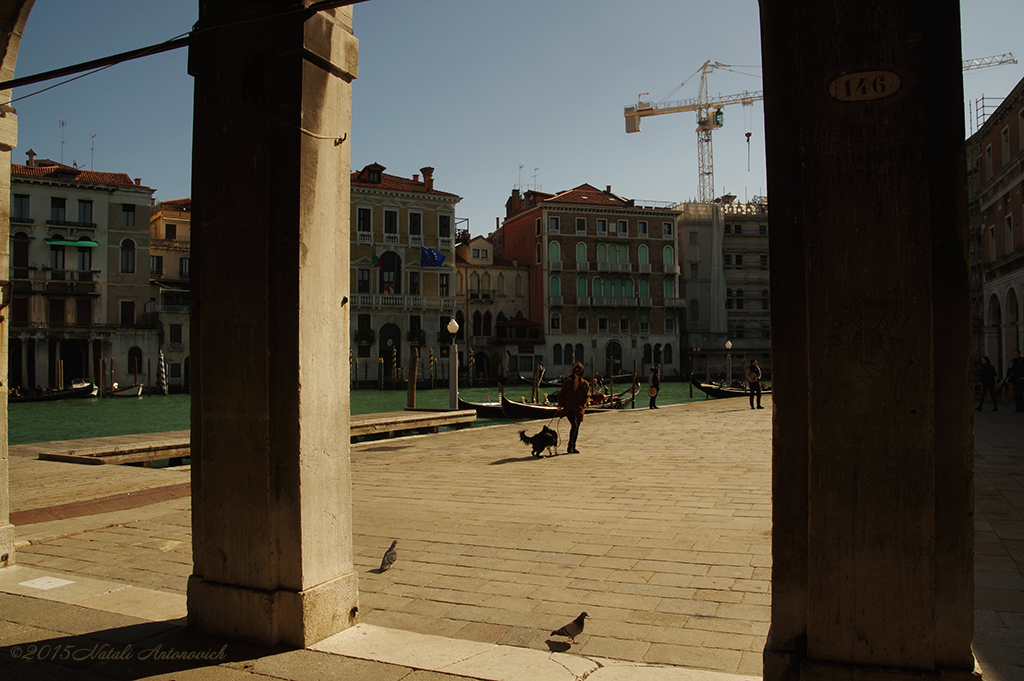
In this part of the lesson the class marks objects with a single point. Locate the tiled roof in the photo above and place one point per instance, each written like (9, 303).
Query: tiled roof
(591, 196)
(178, 204)
(395, 183)
(61, 172)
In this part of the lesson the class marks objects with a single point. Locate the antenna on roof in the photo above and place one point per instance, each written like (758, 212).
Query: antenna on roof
(62, 124)
(92, 150)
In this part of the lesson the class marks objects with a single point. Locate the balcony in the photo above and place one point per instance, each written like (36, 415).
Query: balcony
(403, 302)
(170, 244)
(364, 237)
(555, 300)
(644, 268)
(72, 223)
(391, 239)
(444, 243)
(416, 240)
(672, 268)
(174, 309)
(675, 302)
(22, 221)
(483, 295)
(614, 267)
(554, 264)
(583, 267)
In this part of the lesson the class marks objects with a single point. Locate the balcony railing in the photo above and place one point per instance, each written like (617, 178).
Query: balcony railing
(483, 295)
(395, 301)
(364, 237)
(614, 267)
(391, 239)
(175, 309)
(72, 223)
(555, 264)
(644, 268)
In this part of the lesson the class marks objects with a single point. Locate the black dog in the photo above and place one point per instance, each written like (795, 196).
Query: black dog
(546, 438)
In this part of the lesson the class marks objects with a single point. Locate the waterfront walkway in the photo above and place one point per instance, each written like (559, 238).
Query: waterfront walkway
(659, 529)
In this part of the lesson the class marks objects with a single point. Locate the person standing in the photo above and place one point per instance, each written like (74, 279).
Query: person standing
(1015, 375)
(987, 376)
(655, 386)
(754, 379)
(572, 402)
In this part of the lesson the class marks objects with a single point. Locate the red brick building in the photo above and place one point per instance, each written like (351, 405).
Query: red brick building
(604, 281)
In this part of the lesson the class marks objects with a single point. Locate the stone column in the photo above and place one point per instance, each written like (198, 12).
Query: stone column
(872, 445)
(271, 503)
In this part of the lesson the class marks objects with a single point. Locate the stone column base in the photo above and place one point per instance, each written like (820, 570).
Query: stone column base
(295, 619)
(783, 666)
(6, 545)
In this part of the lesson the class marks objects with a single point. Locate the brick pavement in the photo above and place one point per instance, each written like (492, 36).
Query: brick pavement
(659, 530)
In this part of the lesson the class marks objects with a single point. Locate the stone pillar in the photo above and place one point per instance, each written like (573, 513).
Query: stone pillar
(13, 15)
(271, 502)
(872, 446)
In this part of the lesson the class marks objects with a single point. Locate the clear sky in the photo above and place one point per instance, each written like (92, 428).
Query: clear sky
(474, 88)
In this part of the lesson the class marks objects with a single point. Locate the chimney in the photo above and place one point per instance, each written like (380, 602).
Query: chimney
(138, 181)
(31, 158)
(608, 188)
(428, 178)
(415, 177)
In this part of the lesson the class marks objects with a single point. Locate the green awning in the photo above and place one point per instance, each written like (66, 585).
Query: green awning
(80, 244)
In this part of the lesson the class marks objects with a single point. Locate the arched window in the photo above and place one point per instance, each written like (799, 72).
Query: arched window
(487, 323)
(602, 253)
(598, 287)
(627, 288)
(555, 287)
(609, 288)
(644, 293)
(648, 354)
(554, 252)
(581, 286)
(478, 323)
(623, 253)
(579, 353)
(669, 256)
(667, 352)
(519, 284)
(581, 252)
(485, 282)
(694, 310)
(556, 326)
(459, 286)
(567, 358)
(474, 282)
(670, 288)
(134, 360)
(556, 357)
(641, 254)
(127, 257)
(581, 323)
(501, 284)
(617, 291)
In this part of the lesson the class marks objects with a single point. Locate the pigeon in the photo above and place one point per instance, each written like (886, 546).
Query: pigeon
(572, 629)
(389, 557)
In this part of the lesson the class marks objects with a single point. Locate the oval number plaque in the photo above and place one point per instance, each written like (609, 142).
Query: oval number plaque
(863, 86)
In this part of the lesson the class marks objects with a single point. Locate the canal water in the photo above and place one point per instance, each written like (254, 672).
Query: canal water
(30, 422)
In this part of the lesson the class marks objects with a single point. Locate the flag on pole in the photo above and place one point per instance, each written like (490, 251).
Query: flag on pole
(430, 258)
(377, 261)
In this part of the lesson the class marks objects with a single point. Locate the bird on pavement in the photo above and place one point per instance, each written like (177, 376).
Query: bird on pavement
(389, 557)
(572, 629)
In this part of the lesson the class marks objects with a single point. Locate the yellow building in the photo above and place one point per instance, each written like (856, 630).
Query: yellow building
(403, 270)
(170, 242)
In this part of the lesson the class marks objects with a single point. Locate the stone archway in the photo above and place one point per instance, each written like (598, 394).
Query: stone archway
(1011, 333)
(993, 330)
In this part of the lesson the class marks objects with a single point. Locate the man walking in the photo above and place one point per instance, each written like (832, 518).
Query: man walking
(754, 379)
(655, 385)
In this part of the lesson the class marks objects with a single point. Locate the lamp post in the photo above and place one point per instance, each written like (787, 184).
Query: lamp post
(728, 362)
(453, 367)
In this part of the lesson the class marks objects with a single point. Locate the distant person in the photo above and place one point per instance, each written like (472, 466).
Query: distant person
(987, 376)
(572, 402)
(1015, 375)
(754, 379)
(655, 386)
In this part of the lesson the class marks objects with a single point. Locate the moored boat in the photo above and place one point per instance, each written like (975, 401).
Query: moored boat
(127, 391)
(75, 392)
(490, 410)
(526, 410)
(713, 390)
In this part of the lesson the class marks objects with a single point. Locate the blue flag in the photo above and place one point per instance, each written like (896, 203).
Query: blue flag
(430, 258)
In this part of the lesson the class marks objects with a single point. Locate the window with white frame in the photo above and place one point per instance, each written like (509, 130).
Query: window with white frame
(415, 224)
(581, 323)
(363, 220)
(553, 224)
(391, 222)
(127, 256)
(666, 228)
(623, 227)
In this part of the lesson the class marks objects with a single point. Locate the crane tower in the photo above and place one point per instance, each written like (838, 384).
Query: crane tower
(710, 116)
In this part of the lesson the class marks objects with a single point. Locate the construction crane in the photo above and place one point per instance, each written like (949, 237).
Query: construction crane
(710, 116)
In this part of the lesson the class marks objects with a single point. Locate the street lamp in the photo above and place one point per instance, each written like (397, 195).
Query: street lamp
(453, 367)
(728, 362)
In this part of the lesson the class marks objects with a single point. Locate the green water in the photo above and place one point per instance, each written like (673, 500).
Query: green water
(72, 419)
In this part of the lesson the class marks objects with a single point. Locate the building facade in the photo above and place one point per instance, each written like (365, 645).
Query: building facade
(995, 176)
(492, 295)
(604, 279)
(403, 272)
(80, 287)
(170, 233)
(725, 260)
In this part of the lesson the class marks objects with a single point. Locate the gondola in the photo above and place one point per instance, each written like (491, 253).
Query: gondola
(525, 410)
(89, 390)
(724, 391)
(617, 401)
(488, 410)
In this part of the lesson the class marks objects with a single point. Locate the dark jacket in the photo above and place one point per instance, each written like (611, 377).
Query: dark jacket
(987, 374)
(572, 398)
